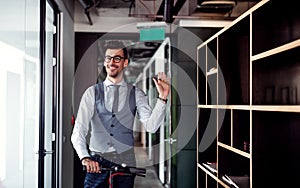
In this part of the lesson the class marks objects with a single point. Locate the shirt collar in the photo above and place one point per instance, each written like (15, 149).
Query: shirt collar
(107, 83)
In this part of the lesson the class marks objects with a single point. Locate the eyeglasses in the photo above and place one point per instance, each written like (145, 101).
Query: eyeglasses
(116, 59)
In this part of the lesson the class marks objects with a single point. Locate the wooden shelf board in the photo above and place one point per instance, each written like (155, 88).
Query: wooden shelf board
(245, 154)
(277, 50)
(275, 108)
(212, 175)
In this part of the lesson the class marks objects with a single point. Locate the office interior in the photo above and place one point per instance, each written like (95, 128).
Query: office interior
(232, 117)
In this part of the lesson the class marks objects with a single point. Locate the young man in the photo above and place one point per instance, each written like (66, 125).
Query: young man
(107, 110)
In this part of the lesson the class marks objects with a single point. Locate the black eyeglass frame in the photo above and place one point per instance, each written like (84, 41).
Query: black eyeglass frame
(116, 58)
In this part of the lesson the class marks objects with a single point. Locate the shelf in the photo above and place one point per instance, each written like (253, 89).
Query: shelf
(225, 126)
(237, 151)
(277, 50)
(276, 79)
(275, 149)
(210, 167)
(252, 100)
(212, 55)
(282, 108)
(241, 130)
(232, 163)
(201, 76)
(207, 172)
(278, 108)
(212, 95)
(207, 129)
(233, 61)
(234, 22)
(237, 181)
(237, 107)
(275, 24)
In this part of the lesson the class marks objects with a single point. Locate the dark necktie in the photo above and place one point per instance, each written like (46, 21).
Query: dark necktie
(116, 98)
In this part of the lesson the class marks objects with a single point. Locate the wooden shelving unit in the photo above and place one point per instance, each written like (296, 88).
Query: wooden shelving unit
(249, 100)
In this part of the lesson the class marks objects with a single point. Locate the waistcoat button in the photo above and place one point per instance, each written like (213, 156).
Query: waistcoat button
(111, 134)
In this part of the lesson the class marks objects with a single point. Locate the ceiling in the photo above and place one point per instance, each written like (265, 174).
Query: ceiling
(121, 16)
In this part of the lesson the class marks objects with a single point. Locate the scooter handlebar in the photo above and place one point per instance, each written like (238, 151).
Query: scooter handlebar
(135, 170)
(127, 169)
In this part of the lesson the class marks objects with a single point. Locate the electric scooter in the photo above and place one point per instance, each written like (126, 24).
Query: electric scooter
(122, 170)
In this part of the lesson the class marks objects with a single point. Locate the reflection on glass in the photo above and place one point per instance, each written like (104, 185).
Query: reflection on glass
(19, 96)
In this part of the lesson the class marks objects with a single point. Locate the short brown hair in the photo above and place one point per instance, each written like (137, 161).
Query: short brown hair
(116, 44)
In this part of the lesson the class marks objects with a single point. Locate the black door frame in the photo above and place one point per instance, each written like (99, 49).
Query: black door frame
(55, 110)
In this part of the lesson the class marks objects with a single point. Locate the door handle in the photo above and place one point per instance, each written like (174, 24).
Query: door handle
(170, 140)
(48, 152)
(45, 152)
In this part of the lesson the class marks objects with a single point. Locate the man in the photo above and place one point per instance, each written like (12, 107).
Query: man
(107, 111)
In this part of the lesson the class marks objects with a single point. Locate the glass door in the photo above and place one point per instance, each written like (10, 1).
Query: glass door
(20, 72)
(28, 98)
(167, 138)
(48, 133)
(160, 62)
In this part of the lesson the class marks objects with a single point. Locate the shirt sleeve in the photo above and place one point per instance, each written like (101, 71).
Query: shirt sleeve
(81, 127)
(152, 119)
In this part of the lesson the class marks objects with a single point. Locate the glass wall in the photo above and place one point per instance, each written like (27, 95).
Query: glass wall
(19, 96)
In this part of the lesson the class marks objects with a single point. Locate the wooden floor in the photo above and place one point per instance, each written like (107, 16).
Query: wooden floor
(151, 180)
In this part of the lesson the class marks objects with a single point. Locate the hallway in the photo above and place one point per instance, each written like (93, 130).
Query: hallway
(151, 180)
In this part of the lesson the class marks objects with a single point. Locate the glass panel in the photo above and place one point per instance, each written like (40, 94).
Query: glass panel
(19, 99)
(50, 29)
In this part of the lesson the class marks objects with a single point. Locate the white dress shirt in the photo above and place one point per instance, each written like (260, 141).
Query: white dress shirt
(152, 119)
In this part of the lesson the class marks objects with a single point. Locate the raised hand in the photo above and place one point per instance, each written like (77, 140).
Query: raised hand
(162, 84)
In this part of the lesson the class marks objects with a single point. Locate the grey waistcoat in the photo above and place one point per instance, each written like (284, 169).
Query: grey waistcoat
(118, 126)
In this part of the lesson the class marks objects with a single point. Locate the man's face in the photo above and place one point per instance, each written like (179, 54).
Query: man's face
(114, 62)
